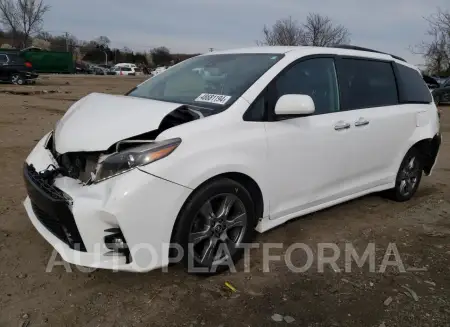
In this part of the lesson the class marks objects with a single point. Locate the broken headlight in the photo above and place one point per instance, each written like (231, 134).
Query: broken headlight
(141, 155)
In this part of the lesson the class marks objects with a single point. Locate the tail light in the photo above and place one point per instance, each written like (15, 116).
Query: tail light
(28, 64)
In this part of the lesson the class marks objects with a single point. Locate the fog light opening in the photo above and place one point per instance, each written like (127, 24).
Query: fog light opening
(115, 241)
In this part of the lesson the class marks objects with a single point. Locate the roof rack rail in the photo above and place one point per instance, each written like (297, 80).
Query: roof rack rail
(354, 47)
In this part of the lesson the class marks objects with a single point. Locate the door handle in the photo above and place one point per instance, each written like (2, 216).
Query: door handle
(340, 125)
(361, 122)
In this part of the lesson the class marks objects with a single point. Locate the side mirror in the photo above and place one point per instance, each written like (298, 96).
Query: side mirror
(295, 104)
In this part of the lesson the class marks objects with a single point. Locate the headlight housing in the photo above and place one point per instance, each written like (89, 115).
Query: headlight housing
(137, 156)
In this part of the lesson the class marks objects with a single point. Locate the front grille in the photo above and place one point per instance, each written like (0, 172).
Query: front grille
(51, 191)
(52, 208)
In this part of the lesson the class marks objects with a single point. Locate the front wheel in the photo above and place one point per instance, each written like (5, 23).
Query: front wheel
(408, 177)
(214, 225)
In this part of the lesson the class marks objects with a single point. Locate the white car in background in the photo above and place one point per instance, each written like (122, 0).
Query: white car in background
(158, 70)
(127, 71)
(272, 134)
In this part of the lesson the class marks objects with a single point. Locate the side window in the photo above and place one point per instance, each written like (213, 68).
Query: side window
(313, 77)
(3, 59)
(366, 83)
(257, 111)
(412, 87)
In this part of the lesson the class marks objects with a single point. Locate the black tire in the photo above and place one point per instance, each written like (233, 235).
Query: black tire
(17, 79)
(190, 215)
(404, 191)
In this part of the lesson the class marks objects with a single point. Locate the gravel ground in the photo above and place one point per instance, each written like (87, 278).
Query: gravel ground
(420, 230)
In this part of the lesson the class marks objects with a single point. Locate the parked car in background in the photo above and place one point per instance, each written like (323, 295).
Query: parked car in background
(98, 70)
(439, 79)
(201, 162)
(105, 66)
(126, 71)
(442, 93)
(158, 70)
(431, 82)
(123, 64)
(15, 69)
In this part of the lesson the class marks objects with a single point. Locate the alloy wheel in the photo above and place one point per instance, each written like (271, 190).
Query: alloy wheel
(409, 176)
(218, 229)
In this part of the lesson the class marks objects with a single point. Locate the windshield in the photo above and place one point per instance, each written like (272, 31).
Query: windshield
(212, 82)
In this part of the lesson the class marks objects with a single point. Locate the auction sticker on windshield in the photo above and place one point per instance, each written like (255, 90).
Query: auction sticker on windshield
(213, 98)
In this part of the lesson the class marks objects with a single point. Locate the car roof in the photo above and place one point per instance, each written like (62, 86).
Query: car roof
(301, 51)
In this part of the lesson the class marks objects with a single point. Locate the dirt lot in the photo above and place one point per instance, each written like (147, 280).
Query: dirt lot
(420, 230)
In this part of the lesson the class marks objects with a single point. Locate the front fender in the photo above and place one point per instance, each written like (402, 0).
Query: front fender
(242, 149)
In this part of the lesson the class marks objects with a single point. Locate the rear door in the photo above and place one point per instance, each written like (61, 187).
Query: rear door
(382, 127)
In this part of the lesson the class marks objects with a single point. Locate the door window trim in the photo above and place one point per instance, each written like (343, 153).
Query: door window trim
(270, 116)
(271, 91)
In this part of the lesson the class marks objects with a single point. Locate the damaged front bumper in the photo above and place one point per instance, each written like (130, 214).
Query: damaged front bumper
(75, 218)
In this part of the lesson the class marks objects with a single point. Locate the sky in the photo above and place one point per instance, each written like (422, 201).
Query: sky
(194, 26)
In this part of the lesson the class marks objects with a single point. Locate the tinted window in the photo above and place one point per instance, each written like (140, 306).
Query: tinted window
(126, 69)
(412, 88)
(313, 77)
(257, 111)
(3, 58)
(366, 83)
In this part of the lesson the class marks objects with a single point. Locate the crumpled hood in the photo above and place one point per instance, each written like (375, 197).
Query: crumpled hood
(98, 120)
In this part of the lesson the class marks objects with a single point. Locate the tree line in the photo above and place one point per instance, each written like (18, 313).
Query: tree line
(22, 21)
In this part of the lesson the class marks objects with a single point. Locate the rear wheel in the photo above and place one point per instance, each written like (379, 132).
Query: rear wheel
(214, 225)
(17, 79)
(408, 177)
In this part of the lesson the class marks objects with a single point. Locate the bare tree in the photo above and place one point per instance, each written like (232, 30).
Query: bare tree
(284, 32)
(321, 32)
(23, 17)
(436, 50)
(41, 43)
(103, 41)
(316, 31)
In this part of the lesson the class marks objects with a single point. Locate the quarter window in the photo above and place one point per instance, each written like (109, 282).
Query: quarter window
(366, 83)
(412, 86)
(313, 77)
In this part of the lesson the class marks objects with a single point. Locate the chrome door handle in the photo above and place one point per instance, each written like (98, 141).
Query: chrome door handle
(340, 125)
(361, 122)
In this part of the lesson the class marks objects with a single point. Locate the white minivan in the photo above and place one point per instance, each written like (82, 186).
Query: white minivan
(186, 166)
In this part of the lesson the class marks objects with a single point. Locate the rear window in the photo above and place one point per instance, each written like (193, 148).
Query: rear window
(3, 58)
(15, 58)
(366, 83)
(126, 69)
(412, 87)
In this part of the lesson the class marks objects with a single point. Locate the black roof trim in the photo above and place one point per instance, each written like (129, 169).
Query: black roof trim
(354, 47)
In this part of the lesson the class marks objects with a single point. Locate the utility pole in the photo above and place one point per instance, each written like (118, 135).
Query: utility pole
(67, 41)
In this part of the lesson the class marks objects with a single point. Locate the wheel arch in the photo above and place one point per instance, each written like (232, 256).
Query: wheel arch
(246, 181)
(429, 149)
